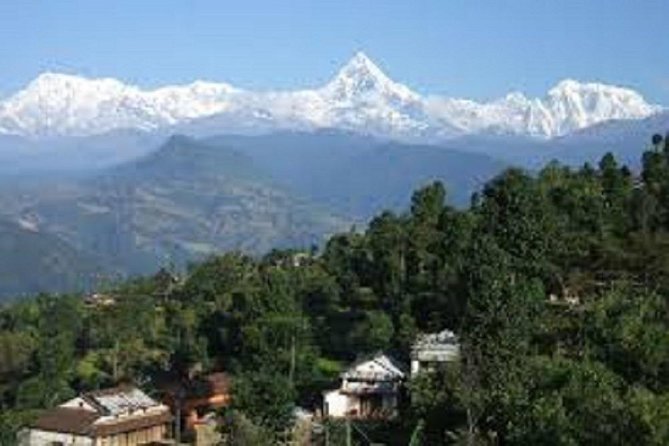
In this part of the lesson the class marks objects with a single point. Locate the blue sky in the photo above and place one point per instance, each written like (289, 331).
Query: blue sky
(468, 48)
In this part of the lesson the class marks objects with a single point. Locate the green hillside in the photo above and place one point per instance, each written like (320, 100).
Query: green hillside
(185, 201)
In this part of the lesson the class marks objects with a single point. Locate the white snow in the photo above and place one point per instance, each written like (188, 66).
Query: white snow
(360, 98)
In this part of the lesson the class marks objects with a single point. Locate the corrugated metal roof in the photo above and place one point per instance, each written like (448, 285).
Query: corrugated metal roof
(379, 367)
(119, 400)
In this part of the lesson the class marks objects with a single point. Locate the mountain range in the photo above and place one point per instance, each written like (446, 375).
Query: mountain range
(360, 98)
(99, 179)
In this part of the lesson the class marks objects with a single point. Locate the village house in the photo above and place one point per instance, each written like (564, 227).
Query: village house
(99, 300)
(205, 395)
(194, 400)
(120, 416)
(432, 350)
(370, 388)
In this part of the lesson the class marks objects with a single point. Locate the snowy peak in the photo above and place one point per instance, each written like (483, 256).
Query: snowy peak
(55, 104)
(359, 98)
(360, 78)
(568, 106)
(568, 87)
(592, 94)
(361, 70)
(574, 105)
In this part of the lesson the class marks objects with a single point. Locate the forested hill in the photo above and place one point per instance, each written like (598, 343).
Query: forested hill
(556, 284)
(182, 202)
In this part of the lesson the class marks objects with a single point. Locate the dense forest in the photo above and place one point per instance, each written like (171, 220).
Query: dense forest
(556, 283)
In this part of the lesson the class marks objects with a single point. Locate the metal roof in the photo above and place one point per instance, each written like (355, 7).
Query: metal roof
(120, 400)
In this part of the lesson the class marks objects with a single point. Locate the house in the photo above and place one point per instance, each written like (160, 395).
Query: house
(370, 388)
(431, 350)
(204, 395)
(112, 417)
(195, 398)
(99, 300)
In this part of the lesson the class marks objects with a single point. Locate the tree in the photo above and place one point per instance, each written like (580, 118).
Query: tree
(656, 140)
(435, 403)
(651, 411)
(16, 350)
(516, 213)
(628, 331)
(373, 333)
(387, 245)
(266, 398)
(502, 310)
(427, 203)
(239, 430)
(574, 402)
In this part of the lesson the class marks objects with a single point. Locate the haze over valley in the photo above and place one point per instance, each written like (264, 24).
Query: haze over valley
(149, 178)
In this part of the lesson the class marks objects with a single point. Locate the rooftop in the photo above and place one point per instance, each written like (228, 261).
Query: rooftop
(119, 400)
(442, 337)
(104, 412)
(379, 367)
(440, 347)
(67, 420)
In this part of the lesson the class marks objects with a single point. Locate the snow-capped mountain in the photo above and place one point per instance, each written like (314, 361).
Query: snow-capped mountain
(59, 104)
(567, 107)
(360, 98)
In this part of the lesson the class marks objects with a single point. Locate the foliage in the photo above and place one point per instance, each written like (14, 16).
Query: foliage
(240, 431)
(269, 399)
(556, 284)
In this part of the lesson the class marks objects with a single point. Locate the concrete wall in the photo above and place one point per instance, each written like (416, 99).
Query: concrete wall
(155, 433)
(336, 404)
(34, 437)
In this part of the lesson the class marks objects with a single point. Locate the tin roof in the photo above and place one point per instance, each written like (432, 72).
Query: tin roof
(378, 367)
(119, 400)
(105, 420)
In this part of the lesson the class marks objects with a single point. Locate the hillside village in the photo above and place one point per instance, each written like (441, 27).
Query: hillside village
(191, 409)
(190, 412)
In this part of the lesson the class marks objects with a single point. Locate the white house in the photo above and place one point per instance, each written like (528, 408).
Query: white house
(432, 349)
(118, 416)
(370, 388)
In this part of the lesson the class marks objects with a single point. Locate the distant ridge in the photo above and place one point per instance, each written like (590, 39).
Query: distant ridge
(39, 262)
